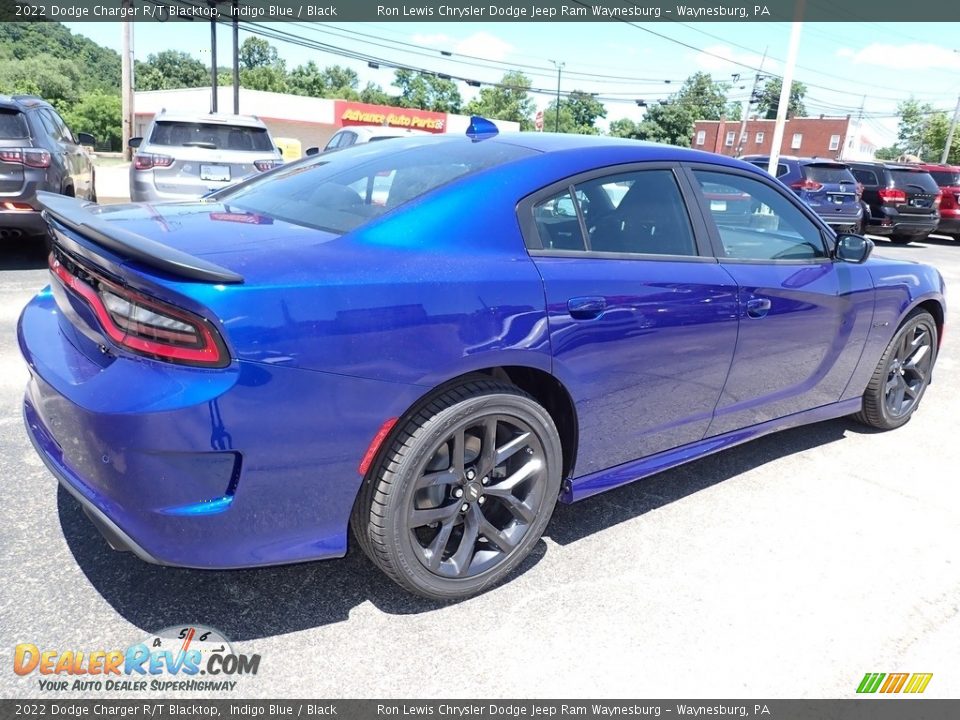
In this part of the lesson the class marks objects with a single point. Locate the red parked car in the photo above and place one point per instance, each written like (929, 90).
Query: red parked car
(948, 178)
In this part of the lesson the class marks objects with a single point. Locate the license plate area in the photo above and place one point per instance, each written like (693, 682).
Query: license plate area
(215, 173)
(718, 205)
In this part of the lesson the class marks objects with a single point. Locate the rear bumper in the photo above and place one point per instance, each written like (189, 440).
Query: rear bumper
(178, 465)
(949, 225)
(26, 221)
(901, 225)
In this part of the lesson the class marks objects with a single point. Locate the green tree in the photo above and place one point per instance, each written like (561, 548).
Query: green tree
(889, 153)
(98, 67)
(256, 53)
(375, 95)
(579, 112)
(770, 99)
(57, 81)
(427, 92)
(509, 100)
(97, 113)
(170, 69)
(700, 98)
(626, 128)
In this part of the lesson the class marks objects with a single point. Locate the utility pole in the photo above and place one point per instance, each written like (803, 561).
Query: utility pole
(786, 88)
(746, 104)
(953, 129)
(213, 58)
(126, 82)
(559, 66)
(236, 58)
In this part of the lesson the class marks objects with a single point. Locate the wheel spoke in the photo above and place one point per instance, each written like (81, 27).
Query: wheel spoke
(443, 477)
(506, 486)
(910, 392)
(488, 451)
(898, 397)
(517, 507)
(456, 454)
(916, 356)
(419, 518)
(463, 556)
(509, 449)
(891, 383)
(495, 536)
(434, 552)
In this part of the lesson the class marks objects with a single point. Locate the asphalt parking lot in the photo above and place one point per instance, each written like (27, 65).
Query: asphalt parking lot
(787, 567)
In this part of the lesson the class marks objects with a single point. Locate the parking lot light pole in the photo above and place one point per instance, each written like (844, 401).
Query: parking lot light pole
(785, 89)
(953, 129)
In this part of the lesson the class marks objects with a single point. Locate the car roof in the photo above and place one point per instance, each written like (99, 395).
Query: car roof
(217, 118)
(796, 158)
(21, 102)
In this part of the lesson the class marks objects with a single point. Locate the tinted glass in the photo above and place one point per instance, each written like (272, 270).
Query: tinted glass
(346, 189)
(13, 125)
(867, 177)
(755, 222)
(557, 223)
(942, 178)
(638, 213)
(210, 135)
(916, 181)
(62, 130)
(828, 174)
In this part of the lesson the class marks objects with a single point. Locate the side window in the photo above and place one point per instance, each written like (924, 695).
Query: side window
(867, 177)
(48, 123)
(347, 139)
(63, 132)
(640, 213)
(755, 222)
(557, 223)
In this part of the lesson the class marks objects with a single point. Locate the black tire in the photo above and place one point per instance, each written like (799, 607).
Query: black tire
(439, 461)
(901, 378)
(902, 239)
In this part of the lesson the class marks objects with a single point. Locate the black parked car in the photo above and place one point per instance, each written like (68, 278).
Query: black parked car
(38, 152)
(904, 200)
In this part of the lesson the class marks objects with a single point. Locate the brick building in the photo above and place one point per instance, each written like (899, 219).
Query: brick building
(826, 137)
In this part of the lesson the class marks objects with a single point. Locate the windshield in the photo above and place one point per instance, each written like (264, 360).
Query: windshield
(12, 125)
(214, 136)
(341, 191)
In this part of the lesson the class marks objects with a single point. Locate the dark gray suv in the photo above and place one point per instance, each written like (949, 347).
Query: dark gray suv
(37, 152)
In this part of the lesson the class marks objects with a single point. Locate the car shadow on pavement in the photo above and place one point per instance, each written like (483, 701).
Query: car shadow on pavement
(262, 602)
(27, 254)
(243, 604)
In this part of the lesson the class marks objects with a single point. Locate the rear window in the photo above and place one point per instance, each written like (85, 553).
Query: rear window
(13, 125)
(828, 173)
(913, 180)
(946, 177)
(344, 190)
(211, 135)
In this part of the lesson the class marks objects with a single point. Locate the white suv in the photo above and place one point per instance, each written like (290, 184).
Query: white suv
(184, 157)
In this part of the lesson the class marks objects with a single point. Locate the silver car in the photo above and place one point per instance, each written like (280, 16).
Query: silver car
(184, 157)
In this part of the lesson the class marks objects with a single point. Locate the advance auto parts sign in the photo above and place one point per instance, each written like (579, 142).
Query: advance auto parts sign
(354, 113)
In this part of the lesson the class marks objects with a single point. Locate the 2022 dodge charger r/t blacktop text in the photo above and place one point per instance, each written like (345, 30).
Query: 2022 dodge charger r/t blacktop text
(507, 321)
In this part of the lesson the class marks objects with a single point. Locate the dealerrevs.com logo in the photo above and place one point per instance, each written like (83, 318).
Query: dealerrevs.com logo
(892, 683)
(184, 658)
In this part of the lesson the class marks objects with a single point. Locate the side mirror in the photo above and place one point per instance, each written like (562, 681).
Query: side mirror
(134, 142)
(853, 248)
(312, 151)
(86, 139)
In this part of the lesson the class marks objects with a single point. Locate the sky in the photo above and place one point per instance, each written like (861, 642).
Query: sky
(849, 68)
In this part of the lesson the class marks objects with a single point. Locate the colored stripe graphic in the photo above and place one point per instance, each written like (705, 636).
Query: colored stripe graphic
(894, 682)
(870, 682)
(918, 683)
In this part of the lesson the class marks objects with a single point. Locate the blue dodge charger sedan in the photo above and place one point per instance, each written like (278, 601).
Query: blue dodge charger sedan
(433, 340)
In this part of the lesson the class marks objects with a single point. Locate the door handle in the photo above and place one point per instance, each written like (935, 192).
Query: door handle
(758, 307)
(586, 308)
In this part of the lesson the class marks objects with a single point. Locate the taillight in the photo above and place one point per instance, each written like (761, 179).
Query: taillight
(938, 199)
(31, 157)
(145, 325)
(892, 195)
(807, 185)
(145, 161)
(264, 165)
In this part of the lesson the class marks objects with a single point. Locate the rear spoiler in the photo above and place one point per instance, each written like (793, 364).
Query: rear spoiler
(75, 214)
